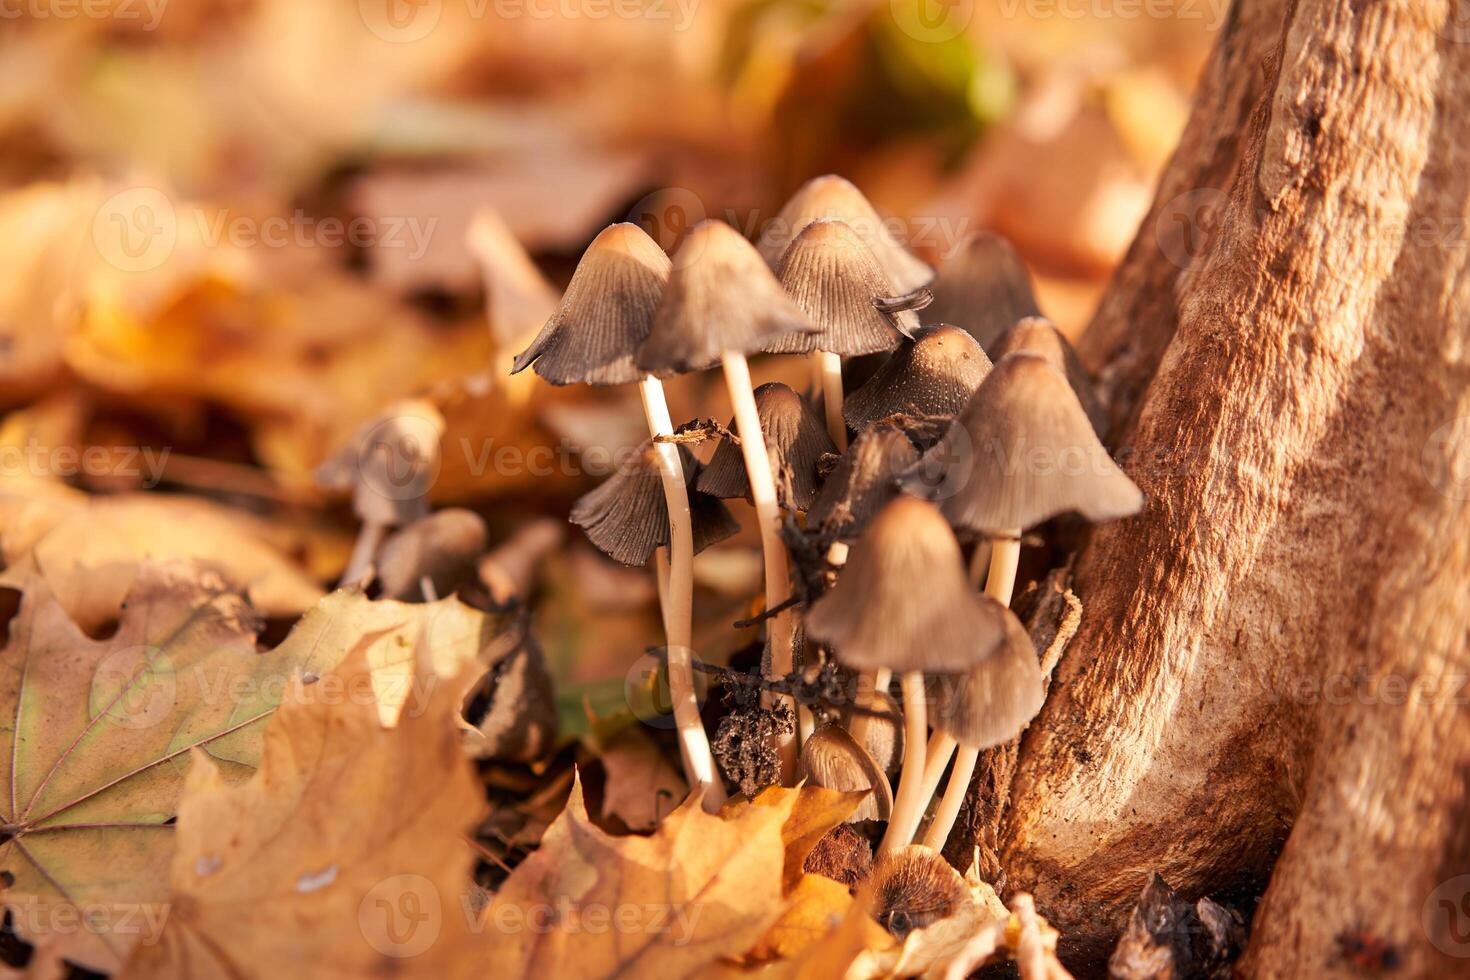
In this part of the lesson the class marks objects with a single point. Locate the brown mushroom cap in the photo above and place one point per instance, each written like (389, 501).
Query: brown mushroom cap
(830, 758)
(1039, 335)
(1022, 451)
(390, 464)
(932, 375)
(795, 438)
(721, 297)
(994, 701)
(834, 278)
(442, 547)
(627, 516)
(606, 312)
(836, 197)
(983, 286)
(915, 887)
(903, 600)
(866, 478)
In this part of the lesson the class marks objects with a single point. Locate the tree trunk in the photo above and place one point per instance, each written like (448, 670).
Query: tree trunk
(1268, 687)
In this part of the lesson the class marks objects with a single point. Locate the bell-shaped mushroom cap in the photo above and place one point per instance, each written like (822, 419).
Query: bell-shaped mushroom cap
(1022, 451)
(390, 464)
(833, 277)
(866, 478)
(915, 887)
(830, 758)
(983, 287)
(721, 297)
(1039, 335)
(627, 517)
(606, 312)
(903, 600)
(992, 702)
(442, 547)
(795, 438)
(932, 375)
(836, 197)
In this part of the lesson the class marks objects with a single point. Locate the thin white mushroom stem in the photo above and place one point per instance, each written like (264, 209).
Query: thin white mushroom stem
(369, 537)
(870, 683)
(908, 803)
(678, 595)
(781, 628)
(827, 376)
(1005, 556)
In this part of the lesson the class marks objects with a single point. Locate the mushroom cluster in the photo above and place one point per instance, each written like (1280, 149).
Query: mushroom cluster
(979, 425)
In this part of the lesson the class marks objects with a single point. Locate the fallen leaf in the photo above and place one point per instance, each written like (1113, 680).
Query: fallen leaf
(101, 732)
(591, 905)
(642, 784)
(816, 906)
(341, 857)
(813, 812)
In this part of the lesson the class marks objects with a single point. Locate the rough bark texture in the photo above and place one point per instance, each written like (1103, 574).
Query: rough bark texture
(1268, 681)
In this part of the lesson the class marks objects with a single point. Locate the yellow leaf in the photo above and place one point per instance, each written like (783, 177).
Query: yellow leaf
(591, 905)
(341, 857)
(814, 812)
(817, 906)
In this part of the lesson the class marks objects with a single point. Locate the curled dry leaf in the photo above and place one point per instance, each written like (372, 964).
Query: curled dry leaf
(90, 549)
(591, 905)
(99, 734)
(813, 812)
(342, 856)
(642, 785)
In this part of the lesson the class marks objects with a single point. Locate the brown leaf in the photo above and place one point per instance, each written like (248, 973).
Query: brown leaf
(813, 812)
(341, 857)
(591, 905)
(641, 783)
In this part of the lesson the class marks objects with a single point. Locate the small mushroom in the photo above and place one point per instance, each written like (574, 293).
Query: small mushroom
(604, 317)
(864, 480)
(795, 442)
(984, 707)
(832, 759)
(835, 278)
(931, 376)
(708, 311)
(913, 888)
(903, 603)
(626, 516)
(390, 464)
(831, 196)
(1039, 335)
(983, 286)
(432, 555)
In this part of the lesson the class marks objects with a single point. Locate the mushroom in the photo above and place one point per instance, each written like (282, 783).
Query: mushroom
(984, 707)
(931, 376)
(903, 602)
(1039, 335)
(626, 516)
(795, 442)
(722, 304)
(836, 197)
(983, 286)
(432, 555)
(835, 278)
(606, 313)
(833, 759)
(914, 888)
(390, 464)
(1022, 452)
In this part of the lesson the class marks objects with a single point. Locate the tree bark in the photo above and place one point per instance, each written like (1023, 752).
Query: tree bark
(1268, 683)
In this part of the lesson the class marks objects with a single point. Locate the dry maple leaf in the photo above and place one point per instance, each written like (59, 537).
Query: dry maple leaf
(591, 905)
(812, 813)
(343, 856)
(99, 734)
